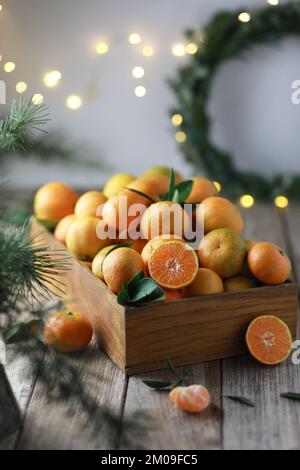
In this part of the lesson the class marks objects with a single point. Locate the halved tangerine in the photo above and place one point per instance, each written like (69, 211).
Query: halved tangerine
(269, 340)
(173, 264)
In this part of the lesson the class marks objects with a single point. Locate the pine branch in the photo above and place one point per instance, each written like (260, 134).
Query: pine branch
(24, 117)
(27, 269)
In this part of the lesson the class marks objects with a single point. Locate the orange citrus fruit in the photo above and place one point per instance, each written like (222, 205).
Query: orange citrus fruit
(165, 171)
(269, 340)
(193, 399)
(223, 251)
(237, 283)
(120, 266)
(202, 189)
(269, 263)
(172, 294)
(88, 204)
(62, 227)
(97, 263)
(136, 245)
(219, 212)
(117, 183)
(173, 264)
(164, 217)
(67, 331)
(53, 201)
(82, 239)
(154, 242)
(151, 185)
(116, 211)
(206, 282)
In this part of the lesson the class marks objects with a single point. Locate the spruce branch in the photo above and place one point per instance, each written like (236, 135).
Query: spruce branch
(28, 270)
(23, 118)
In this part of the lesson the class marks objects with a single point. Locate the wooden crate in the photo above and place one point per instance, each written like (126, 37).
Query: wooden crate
(192, 330)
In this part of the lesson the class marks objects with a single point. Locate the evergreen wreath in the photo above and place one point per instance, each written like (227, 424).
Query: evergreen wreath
(224, 38)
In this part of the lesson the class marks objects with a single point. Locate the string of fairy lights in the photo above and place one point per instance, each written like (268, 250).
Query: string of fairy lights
(52, 79)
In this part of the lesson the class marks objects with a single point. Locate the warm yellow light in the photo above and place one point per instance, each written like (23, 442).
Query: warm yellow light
(148, 51)
(273, 2)
(178, 50)
(52, 78)
(138, 72)
(134, 38)
(74, 102)
(180, 137)
(37, 98)
(247, 200)
(217, 186)
(9, 67)
(281, 201)
(21, 87)
(177, 119)
(191, 48)
(1, 7)
(244, 17)
(0, 57)
(140, 91)
(102, 48)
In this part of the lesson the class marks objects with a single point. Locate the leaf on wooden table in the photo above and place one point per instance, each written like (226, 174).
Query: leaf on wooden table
(291, 395)
(21, 331)
(243, 400)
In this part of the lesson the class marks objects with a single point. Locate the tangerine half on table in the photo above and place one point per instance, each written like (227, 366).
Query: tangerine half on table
(173, 264)
(269, 340)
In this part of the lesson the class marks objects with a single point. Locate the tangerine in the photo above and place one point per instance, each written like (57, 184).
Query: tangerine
(269, 340)
(194, 398)
(62, 227)
(120, 266)
(173, 264)
(269, 263)
(82, 239)
(89, 204)
(53, 201)
(206, 282)
(67, 331)
(219, 212)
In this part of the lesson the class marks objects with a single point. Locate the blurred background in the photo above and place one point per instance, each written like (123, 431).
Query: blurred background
(111, 99)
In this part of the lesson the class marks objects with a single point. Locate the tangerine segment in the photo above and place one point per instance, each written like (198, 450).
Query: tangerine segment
(173, 264)
(193, 399)
(269, 340)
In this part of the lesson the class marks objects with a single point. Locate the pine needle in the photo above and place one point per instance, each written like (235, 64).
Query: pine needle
(28, 270)
(24, 117)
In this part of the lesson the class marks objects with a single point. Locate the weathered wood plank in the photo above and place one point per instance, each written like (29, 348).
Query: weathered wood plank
(21, 369)
(172, 428)
(275, 422)
(57, 421)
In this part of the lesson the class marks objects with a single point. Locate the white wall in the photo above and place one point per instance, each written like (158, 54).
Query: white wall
(251, 105)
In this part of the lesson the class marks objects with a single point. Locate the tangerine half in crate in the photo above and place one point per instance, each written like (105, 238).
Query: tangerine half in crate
(269, 340)
(173, 264)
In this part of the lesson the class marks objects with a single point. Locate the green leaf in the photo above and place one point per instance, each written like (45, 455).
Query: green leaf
(243, 400)
(135, 280)
(170, 366)
(143, 288)
(291, 395)
(122, 298)
(172, 184)
(21, 331)
(155, 296)
(183, 190)
(157, 384)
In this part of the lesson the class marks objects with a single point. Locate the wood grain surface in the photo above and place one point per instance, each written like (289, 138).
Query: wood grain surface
(273, 423)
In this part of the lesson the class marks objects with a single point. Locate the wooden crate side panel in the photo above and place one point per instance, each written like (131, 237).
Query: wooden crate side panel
(202, 329)
(91, 296)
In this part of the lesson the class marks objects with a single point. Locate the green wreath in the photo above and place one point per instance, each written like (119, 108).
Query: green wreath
(225, 37)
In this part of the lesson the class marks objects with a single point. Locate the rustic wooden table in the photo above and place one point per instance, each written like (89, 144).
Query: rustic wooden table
(273, 424)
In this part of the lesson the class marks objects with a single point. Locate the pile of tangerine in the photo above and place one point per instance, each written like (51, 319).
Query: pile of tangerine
(223, 261)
